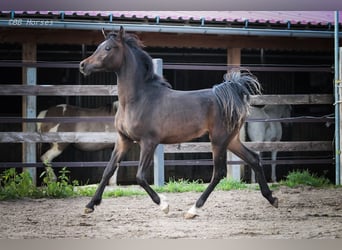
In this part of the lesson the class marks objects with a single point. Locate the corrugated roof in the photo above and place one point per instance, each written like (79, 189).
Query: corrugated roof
(261, 17)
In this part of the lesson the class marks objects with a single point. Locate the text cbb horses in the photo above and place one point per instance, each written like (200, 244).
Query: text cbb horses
(150, 113)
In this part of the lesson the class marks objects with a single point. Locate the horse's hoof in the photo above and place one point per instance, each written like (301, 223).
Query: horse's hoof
(189, 216)
(165, 209)
(192, 213)
(164, 206)
(88, 210)
(275, 202)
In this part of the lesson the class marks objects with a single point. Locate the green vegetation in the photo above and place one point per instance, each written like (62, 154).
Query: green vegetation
(227, 184)
(298, 178)
(16, 186)
(181, 186)
(116, 192)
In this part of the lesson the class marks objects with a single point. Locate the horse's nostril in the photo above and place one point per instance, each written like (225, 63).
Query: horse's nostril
(81, 65)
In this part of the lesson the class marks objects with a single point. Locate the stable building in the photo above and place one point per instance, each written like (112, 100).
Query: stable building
(291, 53)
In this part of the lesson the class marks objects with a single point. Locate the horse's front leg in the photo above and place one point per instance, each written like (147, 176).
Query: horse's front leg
(146, 155)
(219, 172)
(121, 147)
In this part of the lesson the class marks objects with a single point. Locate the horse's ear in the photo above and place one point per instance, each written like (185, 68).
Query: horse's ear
(121, 33)
(104, 33)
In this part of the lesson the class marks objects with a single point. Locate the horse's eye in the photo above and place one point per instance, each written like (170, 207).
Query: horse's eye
(108, 48)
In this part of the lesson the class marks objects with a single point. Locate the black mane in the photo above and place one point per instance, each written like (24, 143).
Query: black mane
(137, 46)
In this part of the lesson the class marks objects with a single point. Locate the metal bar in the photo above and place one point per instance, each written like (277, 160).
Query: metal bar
(179, 66)
(337, 104)
(158, 28)
(158, 157)
(29, 109)
(339, 172)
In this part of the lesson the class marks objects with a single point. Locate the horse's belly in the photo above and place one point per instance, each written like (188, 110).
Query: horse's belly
(171, 137)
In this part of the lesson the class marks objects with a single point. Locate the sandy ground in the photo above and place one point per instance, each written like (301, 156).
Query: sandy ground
(303, 213)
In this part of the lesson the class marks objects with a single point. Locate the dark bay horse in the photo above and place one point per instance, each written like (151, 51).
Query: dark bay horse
(65, 110)
(150, 113)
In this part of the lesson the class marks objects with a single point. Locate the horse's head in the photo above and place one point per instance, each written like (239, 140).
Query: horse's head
(108, 56)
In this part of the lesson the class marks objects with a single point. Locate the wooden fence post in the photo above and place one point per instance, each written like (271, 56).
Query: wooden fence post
(234, 170)
(29, 107)
(158, 158)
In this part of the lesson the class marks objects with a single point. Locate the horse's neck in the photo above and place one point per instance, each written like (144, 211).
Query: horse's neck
(131, 83)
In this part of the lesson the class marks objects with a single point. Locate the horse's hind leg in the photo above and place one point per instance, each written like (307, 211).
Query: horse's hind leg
(122, 145)
(146, 154)
(253, 160)
(55, 150)
(219, 172)
(274, 166)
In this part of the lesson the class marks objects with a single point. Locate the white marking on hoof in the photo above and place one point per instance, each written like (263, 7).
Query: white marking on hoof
(164, 206)
(192, 213)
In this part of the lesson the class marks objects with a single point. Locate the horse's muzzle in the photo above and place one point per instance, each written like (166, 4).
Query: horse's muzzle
(83, 68)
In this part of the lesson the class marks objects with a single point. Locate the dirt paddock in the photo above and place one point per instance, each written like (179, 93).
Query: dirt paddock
(303, 213)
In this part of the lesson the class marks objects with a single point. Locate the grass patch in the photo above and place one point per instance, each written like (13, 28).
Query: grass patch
(15, 185)
(227, 184)
(172, 186)
(181, 186)
(298, 178)
(116, 192)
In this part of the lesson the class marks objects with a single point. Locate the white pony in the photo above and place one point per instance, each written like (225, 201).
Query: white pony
(267, 131)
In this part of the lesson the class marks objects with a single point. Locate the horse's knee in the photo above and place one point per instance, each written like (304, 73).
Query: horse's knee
(220, 174)
(255, 162)
(140, 179)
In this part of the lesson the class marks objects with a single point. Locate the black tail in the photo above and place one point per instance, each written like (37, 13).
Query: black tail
(233, 96)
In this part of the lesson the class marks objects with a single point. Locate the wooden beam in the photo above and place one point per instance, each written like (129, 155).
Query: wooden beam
(105, 90)
(234, 57)
(58, 90)
(234, 41)
(235, 170)
(292, 99)
(29, 54)
(68, 137)
(150, 39)
(188, 147)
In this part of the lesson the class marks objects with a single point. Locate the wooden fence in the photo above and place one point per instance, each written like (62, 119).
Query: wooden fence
(102, 90)
(31, 137)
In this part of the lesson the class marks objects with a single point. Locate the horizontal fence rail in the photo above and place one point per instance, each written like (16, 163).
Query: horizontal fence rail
(202, 162)
(309, 119)
(58, 90)
(105, 90)
(190, 147)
